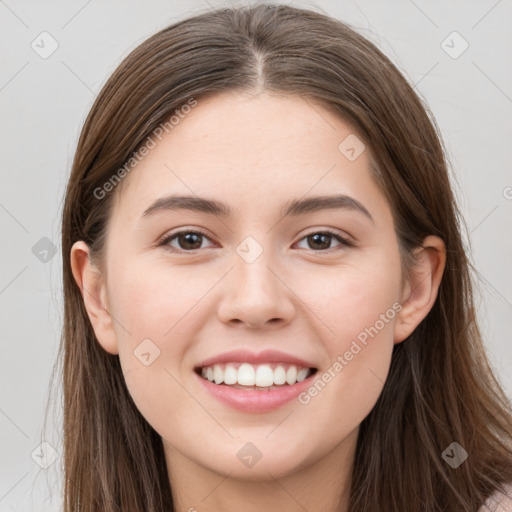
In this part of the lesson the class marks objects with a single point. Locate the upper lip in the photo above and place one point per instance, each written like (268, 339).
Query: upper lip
(246, 356)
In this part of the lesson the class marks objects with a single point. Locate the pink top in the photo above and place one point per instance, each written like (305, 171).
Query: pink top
(499, 502)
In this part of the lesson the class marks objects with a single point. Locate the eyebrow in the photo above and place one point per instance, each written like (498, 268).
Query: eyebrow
(294, 207)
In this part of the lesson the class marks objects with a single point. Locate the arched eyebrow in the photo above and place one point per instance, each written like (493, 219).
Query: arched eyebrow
(294, 207)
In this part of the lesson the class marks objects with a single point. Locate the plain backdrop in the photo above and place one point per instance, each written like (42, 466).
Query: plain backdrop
(457, 54)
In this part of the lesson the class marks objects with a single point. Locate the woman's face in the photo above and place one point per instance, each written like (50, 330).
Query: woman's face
(262, 278)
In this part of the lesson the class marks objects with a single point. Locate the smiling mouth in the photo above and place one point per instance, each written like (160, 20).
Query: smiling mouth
(262, 377)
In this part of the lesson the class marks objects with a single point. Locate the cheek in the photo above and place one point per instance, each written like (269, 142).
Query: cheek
(356, 310)
(154, 301)
(157, 312)
(350, 298)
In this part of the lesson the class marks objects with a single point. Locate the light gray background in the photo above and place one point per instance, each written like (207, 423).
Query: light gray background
(43, 103)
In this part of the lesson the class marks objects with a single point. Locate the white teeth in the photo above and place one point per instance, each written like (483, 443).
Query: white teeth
(262, 376)
(218, 374)
(230, 374)
(291, 375)
(246, 375)
(302, 374)
(279, 375)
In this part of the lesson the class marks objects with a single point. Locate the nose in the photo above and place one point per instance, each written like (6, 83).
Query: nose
(257, 295)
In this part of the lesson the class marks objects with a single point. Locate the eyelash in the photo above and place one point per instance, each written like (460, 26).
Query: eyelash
(165, 241)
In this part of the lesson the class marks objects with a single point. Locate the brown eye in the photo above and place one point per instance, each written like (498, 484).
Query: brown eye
(187, 240)
(321, 241)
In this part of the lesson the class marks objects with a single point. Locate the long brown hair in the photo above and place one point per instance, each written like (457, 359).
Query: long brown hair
(440, 388)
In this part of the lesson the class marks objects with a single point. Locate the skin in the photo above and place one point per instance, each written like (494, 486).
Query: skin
(254, 152)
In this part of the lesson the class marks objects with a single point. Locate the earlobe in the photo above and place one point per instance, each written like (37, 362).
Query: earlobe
(420, 290)
(93, 288)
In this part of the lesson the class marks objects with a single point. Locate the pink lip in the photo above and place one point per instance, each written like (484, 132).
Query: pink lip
(255, 401)
(266, 356)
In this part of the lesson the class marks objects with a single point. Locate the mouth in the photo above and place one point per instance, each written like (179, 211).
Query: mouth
(255, 377)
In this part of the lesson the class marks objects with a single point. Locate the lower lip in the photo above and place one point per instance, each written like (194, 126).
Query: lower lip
(252, 400)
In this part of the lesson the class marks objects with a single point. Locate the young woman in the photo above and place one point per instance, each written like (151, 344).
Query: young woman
(268, 304)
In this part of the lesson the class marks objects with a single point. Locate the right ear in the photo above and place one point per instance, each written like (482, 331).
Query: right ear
(94, 293)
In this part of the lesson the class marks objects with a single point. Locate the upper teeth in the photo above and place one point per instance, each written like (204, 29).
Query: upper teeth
(262, 375)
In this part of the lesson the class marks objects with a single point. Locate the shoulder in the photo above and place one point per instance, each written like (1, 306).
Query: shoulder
(499, 501)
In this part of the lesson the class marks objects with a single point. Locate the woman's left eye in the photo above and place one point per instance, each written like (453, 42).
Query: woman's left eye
(191, 240)
(320, 238)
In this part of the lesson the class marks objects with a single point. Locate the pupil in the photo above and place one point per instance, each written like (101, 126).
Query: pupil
(316, 237)
(189, 239)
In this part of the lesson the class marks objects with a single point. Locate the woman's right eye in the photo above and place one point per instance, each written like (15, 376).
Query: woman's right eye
(187, 240)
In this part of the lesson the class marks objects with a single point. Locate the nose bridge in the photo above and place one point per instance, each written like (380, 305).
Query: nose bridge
(252, 266)
(256, 293)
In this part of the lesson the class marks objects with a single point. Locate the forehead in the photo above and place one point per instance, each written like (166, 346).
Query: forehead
(249, 151)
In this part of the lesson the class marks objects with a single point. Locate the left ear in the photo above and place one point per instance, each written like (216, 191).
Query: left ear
(420, 290)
